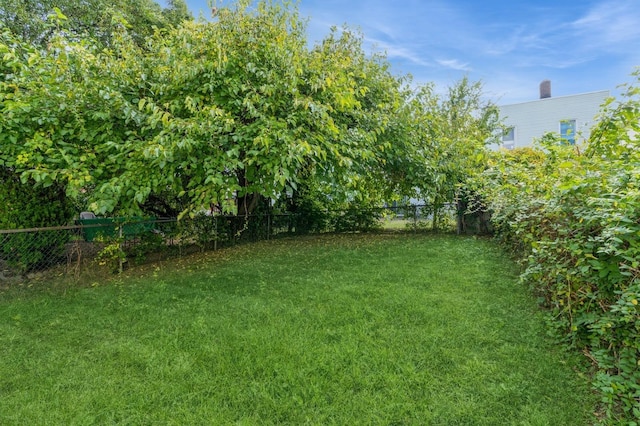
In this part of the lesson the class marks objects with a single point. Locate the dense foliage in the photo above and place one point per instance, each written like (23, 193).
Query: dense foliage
(24, 206)
(40, 95)
(92, 19)
(222, 115)
(573, 213)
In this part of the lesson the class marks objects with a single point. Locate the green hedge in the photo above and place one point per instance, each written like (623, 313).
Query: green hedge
(25, 205)
(572, 215)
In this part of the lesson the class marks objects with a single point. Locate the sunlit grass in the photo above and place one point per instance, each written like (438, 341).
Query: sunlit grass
(368, 329)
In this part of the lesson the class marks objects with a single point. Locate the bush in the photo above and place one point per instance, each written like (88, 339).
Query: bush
(573, 217)
(25, 205)
(356, 219)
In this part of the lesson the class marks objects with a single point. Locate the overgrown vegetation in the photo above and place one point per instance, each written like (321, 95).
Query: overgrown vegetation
(23, 206)
(223, 115)
(573, 215)
(372, 328)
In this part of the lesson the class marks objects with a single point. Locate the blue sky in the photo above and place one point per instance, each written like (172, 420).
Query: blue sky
(510, 45)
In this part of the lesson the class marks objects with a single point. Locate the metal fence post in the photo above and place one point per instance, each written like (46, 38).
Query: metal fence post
(120, 259)
(215, 233)
(269, 225)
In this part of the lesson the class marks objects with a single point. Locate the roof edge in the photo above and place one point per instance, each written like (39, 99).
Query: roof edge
(558, 97)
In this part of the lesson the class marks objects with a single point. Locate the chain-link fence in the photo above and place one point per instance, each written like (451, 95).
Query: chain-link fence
(115, 243)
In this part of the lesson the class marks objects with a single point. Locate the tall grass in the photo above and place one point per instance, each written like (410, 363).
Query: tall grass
(373, 329)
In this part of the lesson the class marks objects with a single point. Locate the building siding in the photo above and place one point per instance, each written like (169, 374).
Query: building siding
(531, 120)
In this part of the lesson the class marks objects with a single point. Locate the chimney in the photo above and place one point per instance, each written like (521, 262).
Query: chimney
(545, 89)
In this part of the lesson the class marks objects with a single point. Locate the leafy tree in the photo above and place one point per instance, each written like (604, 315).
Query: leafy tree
(368, 99)
(33, 54)
(176, 12)
(95, 19)
(232, 109)
(440, 142)
(235, 109)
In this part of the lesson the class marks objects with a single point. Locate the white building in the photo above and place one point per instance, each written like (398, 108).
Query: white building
(572, 117)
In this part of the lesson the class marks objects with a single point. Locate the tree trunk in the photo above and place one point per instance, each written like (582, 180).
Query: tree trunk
(247, 204)
(436, 213)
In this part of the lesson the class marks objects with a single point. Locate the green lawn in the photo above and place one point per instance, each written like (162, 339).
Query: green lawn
(359, 329)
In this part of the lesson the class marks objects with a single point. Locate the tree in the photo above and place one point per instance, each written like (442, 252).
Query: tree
(176, 12)
(469, 124)
(440, 141)
(95, 19)
(232, 109)
(368, 100)
(38, 34)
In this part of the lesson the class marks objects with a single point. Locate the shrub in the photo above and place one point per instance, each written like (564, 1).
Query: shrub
(573, 217)
(25, 205)
(356, 219)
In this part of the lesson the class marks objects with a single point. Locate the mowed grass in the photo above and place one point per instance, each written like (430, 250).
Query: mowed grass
(358, 329)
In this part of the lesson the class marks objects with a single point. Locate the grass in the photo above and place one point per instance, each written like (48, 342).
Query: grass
(372, 329)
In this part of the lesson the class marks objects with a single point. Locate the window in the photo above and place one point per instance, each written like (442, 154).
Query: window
(568, 131)
(509, 137)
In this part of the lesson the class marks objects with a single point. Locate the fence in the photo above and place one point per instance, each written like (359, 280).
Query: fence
(115, 243)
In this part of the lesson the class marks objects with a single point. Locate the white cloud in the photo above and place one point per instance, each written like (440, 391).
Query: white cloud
(511, 46)
(398, 51)
(454, 64)
(610, 24)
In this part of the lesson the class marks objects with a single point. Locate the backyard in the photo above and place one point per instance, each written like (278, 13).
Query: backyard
(387, 328)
